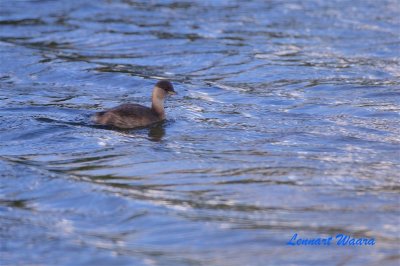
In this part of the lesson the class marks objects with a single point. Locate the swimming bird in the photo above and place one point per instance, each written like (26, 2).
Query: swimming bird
(131, 115)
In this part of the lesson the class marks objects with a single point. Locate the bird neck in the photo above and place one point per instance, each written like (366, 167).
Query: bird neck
(157, 102)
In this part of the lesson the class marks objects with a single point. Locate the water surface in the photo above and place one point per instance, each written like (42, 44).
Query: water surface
(287, 121)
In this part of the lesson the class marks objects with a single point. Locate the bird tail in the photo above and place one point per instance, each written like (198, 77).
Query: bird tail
(97, 117)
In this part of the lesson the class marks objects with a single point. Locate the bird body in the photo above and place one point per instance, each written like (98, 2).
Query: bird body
(135, 115)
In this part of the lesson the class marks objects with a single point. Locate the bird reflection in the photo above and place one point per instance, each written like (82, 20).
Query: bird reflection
(157, 131)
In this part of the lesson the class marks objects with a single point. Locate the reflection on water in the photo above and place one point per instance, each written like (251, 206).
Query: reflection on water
(287, 121)
(156, 132)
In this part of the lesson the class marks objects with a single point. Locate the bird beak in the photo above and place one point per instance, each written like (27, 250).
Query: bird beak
(172, 93)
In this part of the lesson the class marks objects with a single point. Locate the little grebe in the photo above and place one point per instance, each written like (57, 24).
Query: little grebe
(131, 115)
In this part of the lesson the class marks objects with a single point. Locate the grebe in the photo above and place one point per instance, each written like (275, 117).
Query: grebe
(131, 115)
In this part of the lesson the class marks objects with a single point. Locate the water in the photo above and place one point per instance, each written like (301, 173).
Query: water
(287, 121)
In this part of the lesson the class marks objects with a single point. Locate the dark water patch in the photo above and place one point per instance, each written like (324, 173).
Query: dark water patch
(22, 22)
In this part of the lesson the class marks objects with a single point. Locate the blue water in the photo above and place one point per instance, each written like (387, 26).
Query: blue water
(287, 121)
